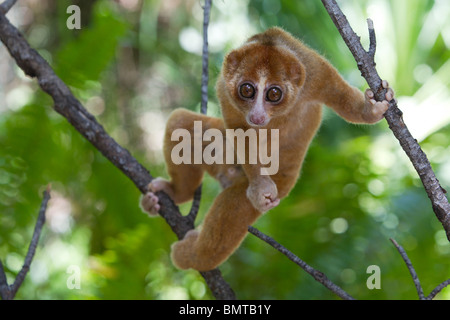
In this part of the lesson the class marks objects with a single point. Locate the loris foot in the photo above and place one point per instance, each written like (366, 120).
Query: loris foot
(375, 110)
(182, 251)
(149, 202)
(263, 194)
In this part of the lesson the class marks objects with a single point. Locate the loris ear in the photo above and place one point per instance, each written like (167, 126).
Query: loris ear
(297, 73)
(232, 62)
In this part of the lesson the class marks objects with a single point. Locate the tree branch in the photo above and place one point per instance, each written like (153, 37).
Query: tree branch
(317, 275)
(411, 269)
(204, 104)
(9, 292)
(5, 292)
(438, 289)
(205, 59)
(6, 6)
(68, 106)
(418, 158)
(415, 278)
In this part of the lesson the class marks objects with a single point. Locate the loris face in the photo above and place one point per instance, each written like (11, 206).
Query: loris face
(263, 81)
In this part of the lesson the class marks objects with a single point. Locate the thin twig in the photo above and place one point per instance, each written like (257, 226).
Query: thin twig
(34, 241)
(413, 273)
(195, 204)
(7, 5)
(438, 289)
(9, 292)
(204, 103)
(411, 269)
(317, 275)
(373, 39)
(205, 57)
(393, 115)
(5, 292)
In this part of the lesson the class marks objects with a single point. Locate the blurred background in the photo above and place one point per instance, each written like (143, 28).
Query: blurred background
(131, 64)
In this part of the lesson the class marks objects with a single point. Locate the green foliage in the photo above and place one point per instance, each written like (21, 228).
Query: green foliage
(91, 52)
(131, 67)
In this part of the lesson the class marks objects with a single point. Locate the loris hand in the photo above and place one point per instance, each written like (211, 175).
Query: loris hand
(149, 201)
(374, 110)
(263, 194)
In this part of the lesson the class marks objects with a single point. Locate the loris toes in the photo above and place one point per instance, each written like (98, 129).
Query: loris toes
(390, 92)
(369, 94)
(149, 204)
(271, 204)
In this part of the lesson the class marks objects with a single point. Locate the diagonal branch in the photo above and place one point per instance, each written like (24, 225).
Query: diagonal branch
(68, 106)
(411, 269)
(317, 275)
(9, 292)
(413, 273)
(7, 5)
(418, 158)
(5, 292)
(438, 289)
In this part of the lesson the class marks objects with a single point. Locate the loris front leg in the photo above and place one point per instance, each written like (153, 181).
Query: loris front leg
(349, 102)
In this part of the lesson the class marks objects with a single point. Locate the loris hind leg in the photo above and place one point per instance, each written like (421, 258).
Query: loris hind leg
(189, 177)
(224, 228)
(186, 178)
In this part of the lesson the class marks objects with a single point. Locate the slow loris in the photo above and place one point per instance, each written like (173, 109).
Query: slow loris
(274, 82)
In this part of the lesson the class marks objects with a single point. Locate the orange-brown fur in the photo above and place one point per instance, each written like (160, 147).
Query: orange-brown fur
(306, 80)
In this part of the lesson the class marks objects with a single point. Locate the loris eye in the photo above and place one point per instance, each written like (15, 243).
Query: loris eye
(247, 91)
(274, 94)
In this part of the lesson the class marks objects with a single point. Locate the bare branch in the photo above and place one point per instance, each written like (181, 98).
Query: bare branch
(437, 290)
(204, 104)
(5, 292)
(317, 275)
(205, 59)
(373, 39)
(195, 205)
(411, 269)
(413, 273)
(418, 158)
(33, 244)
(9, 292)
(68, 106)
(6, 6)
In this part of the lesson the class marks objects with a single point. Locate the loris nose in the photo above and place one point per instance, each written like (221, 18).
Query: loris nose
(257, 119)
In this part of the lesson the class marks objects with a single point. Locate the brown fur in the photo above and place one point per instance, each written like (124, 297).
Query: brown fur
(307, 80)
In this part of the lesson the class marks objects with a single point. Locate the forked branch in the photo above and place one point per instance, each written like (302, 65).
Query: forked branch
(366, 64)
(415, 278)
(8, 292)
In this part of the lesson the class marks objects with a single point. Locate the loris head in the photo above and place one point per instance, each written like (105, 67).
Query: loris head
(262, 80)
